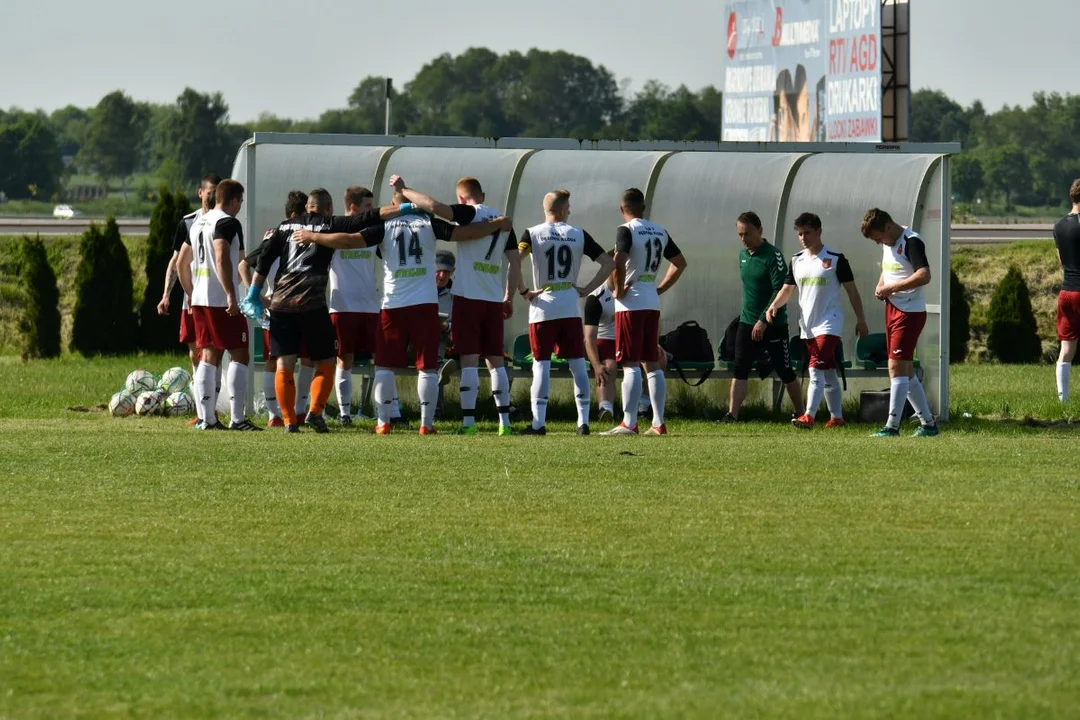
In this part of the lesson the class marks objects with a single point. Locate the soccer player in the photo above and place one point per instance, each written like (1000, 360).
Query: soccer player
(354, 304)
(904, 271)
(207, 187)
(295, 204)
(762, 270)
(599, 322)
(554, 317)
(298, 308)
(410, 310)
(818, 273)
(644, 245)
(487, 274)
(217, 242)
(1067, 239)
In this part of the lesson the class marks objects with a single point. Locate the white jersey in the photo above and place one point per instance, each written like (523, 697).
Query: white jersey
(481, 264)
(556, 250)
(189, 220)
(207, 290)
(899, 262)
(352, 281)
(818, 279)
(645, 244)
(408, 253)
(605, 320)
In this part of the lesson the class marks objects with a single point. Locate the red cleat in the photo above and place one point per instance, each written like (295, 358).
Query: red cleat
(382, 428)
(275, 422)
(835, 422)
(425, 430)
(804, 422)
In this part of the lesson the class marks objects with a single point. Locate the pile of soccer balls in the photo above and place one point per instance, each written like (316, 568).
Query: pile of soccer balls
(145, 394)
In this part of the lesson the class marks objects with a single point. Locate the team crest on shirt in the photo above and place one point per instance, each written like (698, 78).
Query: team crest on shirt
(827, 263)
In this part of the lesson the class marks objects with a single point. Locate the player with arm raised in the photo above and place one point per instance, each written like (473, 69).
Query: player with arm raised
(904, 271)
(1067, 239)
(410, 309)
(555, 323)
(298, 308)
(818, 273)
(644, 245)
(211, 279)
(487, 273)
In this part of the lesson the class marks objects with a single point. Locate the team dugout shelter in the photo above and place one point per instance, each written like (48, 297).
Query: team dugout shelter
(695, 190)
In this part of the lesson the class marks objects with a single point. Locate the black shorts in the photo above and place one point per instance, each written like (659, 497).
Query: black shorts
(774, 348)
(314, 327)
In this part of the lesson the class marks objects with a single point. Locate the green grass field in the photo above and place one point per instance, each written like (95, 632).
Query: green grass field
(747, 571)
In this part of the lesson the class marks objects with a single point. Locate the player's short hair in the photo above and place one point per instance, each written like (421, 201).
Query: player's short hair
(1074, 191)
(470, 186)
(295, 203)
(875, 220)
(634, 201)
(356, 196)
(560, 200)
(750, 218)
(227, 192)
(810, 220)
(319, 199)
(211, 180)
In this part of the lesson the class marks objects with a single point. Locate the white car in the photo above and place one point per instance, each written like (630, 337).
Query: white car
(64, 212)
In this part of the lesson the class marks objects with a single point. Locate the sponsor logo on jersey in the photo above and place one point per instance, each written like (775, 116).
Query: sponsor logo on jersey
(354, 254)
(410, 272)
(891, 266)
(558, 287)
(485, 268)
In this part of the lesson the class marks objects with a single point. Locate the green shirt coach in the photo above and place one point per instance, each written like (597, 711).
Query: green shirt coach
(762, 273)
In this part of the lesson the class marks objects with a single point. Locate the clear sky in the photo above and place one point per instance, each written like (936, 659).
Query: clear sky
(260, 53)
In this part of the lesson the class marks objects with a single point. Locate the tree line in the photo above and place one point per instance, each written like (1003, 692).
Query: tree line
(1016, 155)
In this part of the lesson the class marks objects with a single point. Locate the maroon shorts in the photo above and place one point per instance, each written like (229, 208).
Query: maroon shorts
(606, 349)
(187, 326)
(821, 351)
(902, 330)
(637, 336)
(1068, 315)
(214, 328)
(565, 337)
(476, 327)
(417, 325)
(357, 333)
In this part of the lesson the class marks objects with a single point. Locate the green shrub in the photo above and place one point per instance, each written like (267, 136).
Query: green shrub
(1013, 332)
(959, 319)
(39, 325)
(104, 321)
(160, 333)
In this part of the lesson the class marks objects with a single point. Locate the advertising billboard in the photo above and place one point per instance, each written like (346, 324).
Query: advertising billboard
(802, 71)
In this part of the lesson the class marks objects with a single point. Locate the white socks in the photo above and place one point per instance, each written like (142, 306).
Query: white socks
(427, 388)
(303, 387)
(205, 395)
(385, 393)
(816, 391)
(834, 394)
(343, 384)
(500, 391)
(236, 384)
(582, 400)
(898, 395)
(541, 386)
(270, 393)
(658, 393)
(916, 395)
(469, 389)
(631, 394)
(1063, 381)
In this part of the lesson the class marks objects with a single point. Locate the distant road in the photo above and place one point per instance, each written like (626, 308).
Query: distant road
(961, 234)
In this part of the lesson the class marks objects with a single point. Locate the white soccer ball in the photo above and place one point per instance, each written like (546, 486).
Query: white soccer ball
(174, 380)
(139, 381)
(149, 402)
(121, 404)
(179, 403)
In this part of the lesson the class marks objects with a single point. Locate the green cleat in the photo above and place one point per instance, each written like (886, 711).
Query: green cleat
(886, 432)
(925, 431)
(505, 430)
(467, 430)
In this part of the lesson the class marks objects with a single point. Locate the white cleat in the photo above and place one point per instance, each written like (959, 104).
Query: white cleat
(621, 429)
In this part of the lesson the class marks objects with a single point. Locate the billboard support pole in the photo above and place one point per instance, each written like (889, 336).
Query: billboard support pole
(895, 70)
